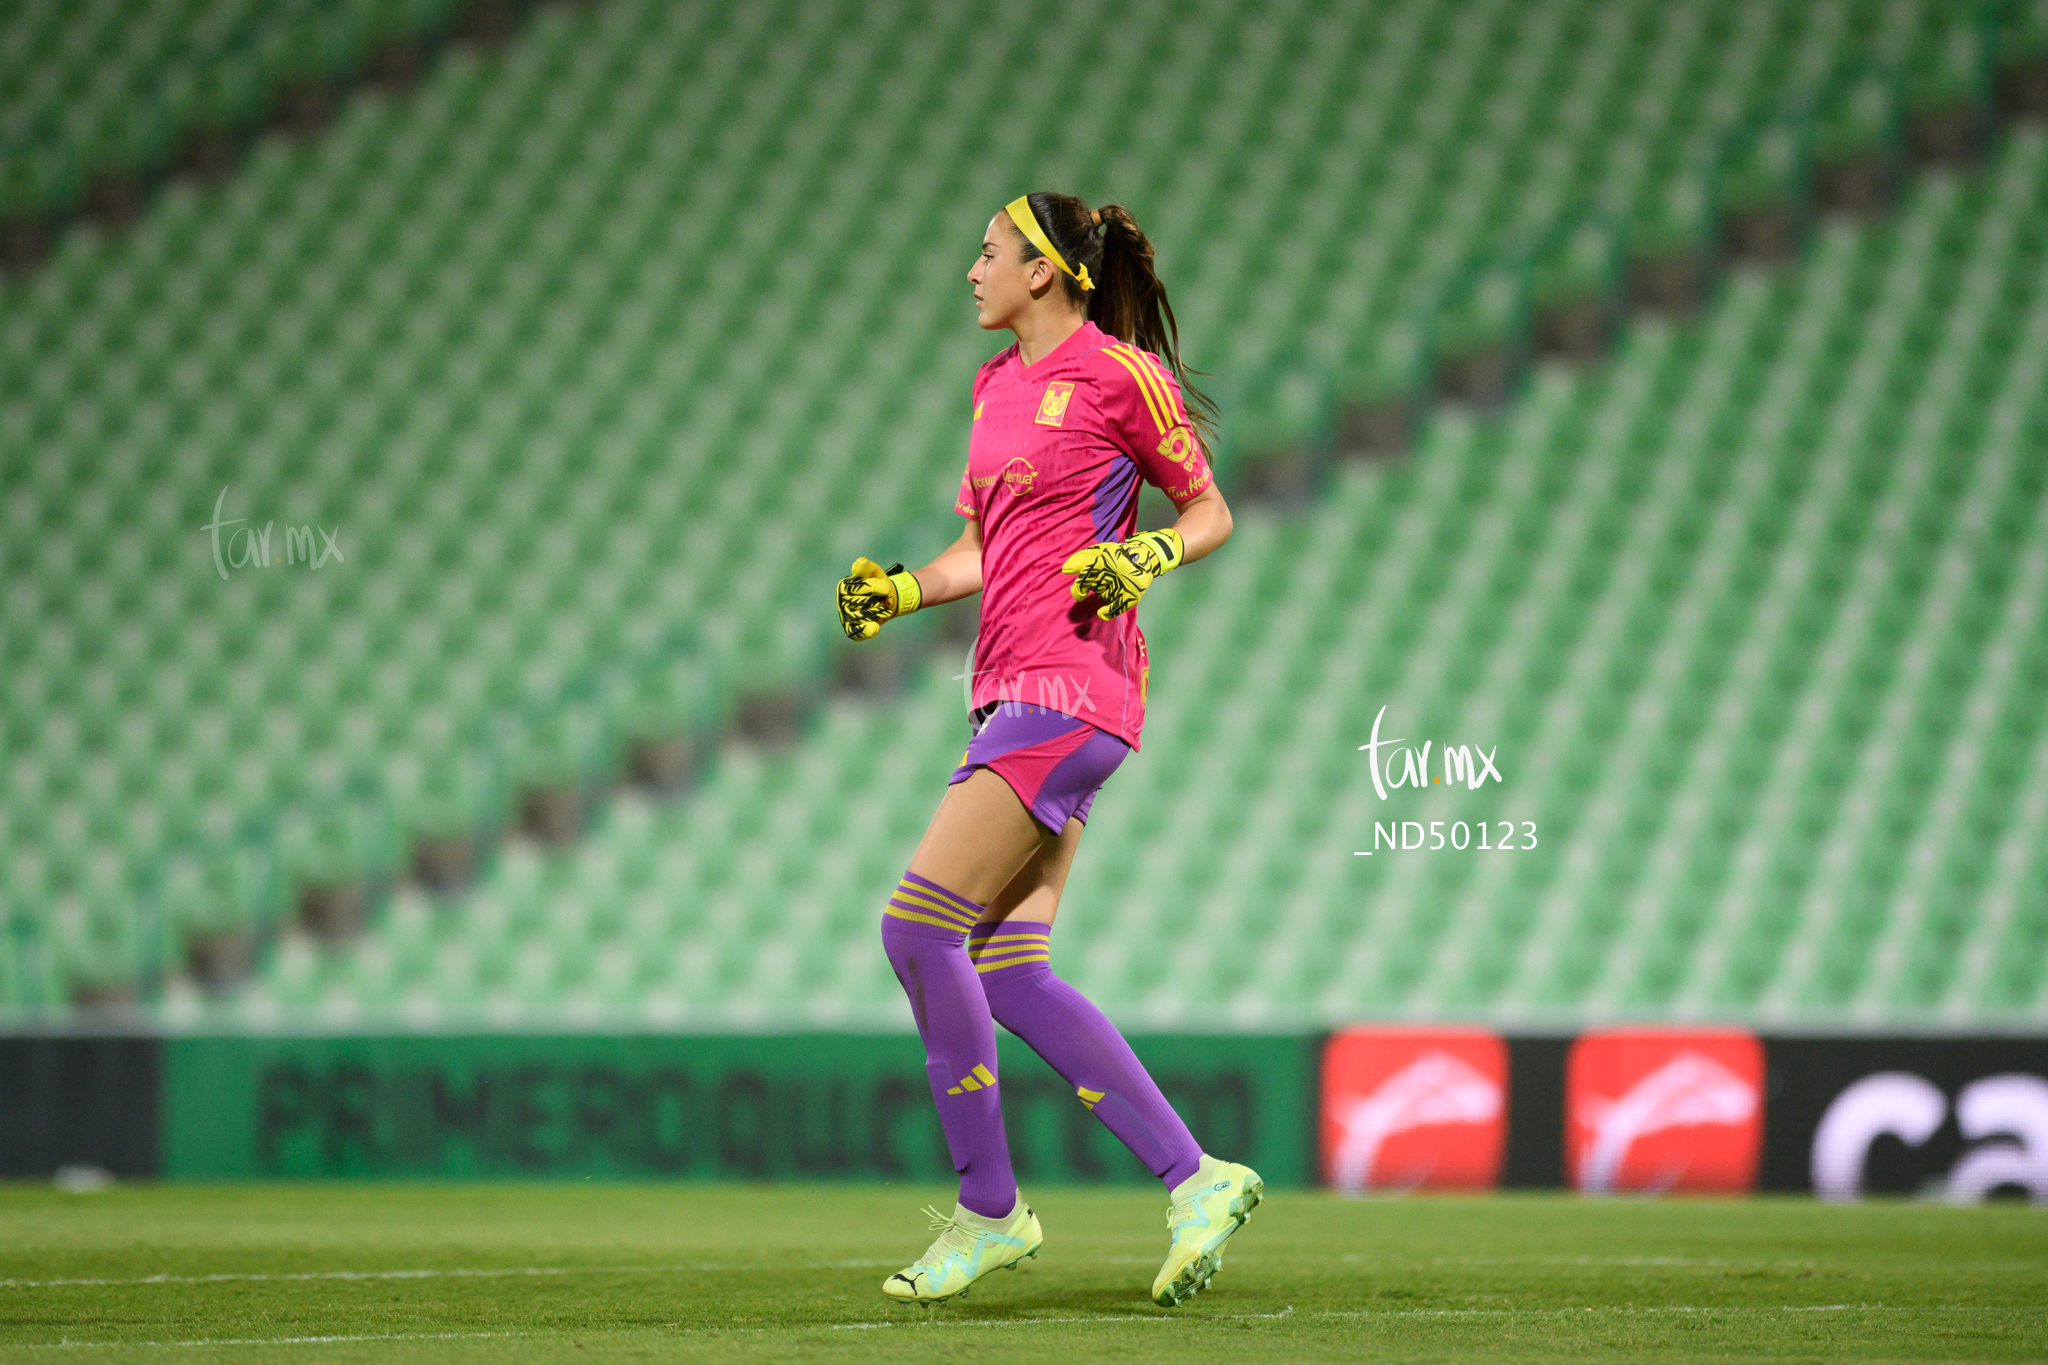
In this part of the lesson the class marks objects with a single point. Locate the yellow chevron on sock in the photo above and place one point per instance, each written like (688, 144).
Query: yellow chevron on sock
(973, 1080)
(1088, 1097)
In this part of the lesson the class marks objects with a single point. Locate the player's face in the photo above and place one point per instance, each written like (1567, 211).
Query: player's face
(1002, 283)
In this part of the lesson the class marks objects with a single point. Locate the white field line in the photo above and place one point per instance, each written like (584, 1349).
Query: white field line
(716, 1267)
(264, 1341)
(454, 1273)
(503, 1272)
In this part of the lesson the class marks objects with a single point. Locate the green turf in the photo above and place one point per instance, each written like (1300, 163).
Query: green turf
(518, 1273)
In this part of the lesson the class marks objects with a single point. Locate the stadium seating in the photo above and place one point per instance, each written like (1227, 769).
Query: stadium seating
(99, 101)
(574, 341)
(1753, 616)
(1700, 600)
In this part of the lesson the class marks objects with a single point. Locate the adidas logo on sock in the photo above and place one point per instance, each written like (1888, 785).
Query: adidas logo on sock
(1088, 1097)
(973, 1080)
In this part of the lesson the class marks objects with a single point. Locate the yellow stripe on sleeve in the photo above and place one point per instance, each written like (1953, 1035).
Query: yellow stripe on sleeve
(1149, 372)
(1175, 412)
(1141, 365)
(1151, 403)
(1149, 368)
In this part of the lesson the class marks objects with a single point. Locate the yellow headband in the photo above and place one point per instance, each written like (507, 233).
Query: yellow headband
(1027, 223)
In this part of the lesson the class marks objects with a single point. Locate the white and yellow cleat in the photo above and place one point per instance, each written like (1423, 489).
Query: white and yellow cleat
(969, 1247)
(1208, 1207)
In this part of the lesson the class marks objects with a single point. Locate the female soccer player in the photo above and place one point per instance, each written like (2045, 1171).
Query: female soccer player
(1066, 421)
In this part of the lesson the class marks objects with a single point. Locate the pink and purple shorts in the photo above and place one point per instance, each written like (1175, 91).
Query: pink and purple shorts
(1054, 762)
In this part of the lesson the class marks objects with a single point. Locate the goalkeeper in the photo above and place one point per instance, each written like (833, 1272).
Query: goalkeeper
(1067, 422)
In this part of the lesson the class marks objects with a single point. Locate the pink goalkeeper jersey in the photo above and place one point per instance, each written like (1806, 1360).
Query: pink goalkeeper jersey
(1053, 465)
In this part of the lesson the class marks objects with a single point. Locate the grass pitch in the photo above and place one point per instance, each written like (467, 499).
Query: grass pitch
(333, 1273)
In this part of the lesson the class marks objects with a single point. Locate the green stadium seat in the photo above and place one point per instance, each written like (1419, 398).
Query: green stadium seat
(552, 335)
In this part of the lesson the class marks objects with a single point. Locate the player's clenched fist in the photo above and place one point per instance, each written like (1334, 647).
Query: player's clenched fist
(872, 594)
(1120, 573)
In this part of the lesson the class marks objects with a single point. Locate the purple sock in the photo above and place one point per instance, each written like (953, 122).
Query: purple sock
(924, 931)
(1013, 959)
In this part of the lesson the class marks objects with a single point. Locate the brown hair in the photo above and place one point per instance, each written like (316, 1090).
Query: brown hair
(1128, 301)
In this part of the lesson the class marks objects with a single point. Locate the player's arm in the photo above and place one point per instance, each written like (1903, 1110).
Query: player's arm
(1204, 522)
(872, 594)
(956, 572)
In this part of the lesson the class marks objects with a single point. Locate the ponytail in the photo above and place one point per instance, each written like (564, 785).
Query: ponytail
(1126, 300)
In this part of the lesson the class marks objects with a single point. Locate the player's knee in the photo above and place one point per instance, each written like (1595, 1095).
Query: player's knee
(922, 909)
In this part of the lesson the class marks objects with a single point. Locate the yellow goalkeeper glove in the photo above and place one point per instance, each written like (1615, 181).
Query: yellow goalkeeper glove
(1120, 573)
(873, 594)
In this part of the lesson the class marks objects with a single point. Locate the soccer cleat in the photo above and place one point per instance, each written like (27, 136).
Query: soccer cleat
(1208, 1207)
(969, 1247)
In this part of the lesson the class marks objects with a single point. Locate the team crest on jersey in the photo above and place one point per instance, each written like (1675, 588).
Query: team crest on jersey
(1180, 446)
(1017, 476)
(1052, 409)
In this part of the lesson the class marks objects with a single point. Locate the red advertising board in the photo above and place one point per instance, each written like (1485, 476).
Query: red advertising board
(1664, 1109)
(1414, 1108)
